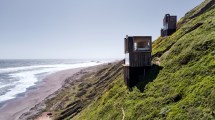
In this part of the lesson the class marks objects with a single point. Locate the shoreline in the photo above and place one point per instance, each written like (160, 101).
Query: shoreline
(76, 94)
(14, 108)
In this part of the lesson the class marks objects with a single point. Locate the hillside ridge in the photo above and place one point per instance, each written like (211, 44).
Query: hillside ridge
(181, 87)
(180, 84)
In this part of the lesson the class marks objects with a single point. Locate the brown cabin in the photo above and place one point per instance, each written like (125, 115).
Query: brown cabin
(137, 58)
(169, 25)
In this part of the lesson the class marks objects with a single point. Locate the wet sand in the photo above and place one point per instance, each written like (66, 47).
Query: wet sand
(15, 108)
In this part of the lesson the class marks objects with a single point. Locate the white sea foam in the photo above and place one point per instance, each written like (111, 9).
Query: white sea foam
(15, 69)
(26, 76)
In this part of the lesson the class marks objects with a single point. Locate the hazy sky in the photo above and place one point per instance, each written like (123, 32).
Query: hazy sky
(80, 28)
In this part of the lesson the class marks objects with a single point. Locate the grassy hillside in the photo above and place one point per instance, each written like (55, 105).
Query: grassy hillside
(77, 93)
(182, 87)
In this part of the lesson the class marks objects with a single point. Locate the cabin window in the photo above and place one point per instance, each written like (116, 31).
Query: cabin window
(127, 59)
(141, 45)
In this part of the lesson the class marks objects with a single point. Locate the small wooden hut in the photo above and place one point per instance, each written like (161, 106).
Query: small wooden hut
(169, 25)
(137, 58)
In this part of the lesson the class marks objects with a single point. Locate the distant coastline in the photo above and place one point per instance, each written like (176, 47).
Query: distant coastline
(19, 76)
(14, 108)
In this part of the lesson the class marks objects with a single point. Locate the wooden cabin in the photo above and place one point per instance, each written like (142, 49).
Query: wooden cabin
(137, 58)
(169, 25)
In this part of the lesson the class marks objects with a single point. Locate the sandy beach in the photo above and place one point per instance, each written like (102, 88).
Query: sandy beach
(15, 108)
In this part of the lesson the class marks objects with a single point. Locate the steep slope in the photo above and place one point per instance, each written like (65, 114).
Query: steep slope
(182, 87)
(77, 92)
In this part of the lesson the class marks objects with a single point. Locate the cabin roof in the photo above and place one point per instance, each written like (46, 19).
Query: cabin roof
(140, 36)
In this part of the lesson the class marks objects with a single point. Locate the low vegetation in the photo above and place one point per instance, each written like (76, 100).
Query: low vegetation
(80, 92)
(182, 86)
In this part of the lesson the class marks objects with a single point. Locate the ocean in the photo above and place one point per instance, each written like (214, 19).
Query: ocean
(17, 76)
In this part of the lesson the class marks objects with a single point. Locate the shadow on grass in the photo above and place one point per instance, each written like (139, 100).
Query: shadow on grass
(151, 74)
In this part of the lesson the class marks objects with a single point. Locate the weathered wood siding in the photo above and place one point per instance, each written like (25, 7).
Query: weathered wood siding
(126, 45)
(172, 22)
(126, 75)
(139, 59)
(132, 75)
(130, 45)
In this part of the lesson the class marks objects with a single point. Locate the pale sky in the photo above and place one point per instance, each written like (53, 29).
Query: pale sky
(67, 29)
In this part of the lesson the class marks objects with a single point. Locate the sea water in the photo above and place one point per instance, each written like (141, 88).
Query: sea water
(17, 76)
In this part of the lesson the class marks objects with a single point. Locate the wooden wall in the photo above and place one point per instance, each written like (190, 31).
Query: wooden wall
(140, 59)
(126, 75)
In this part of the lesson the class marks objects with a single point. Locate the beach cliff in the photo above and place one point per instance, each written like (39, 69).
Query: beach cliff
(180, 86)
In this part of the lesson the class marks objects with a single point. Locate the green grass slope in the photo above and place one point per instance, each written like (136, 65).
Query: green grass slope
(79, 91)
(182, 87)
